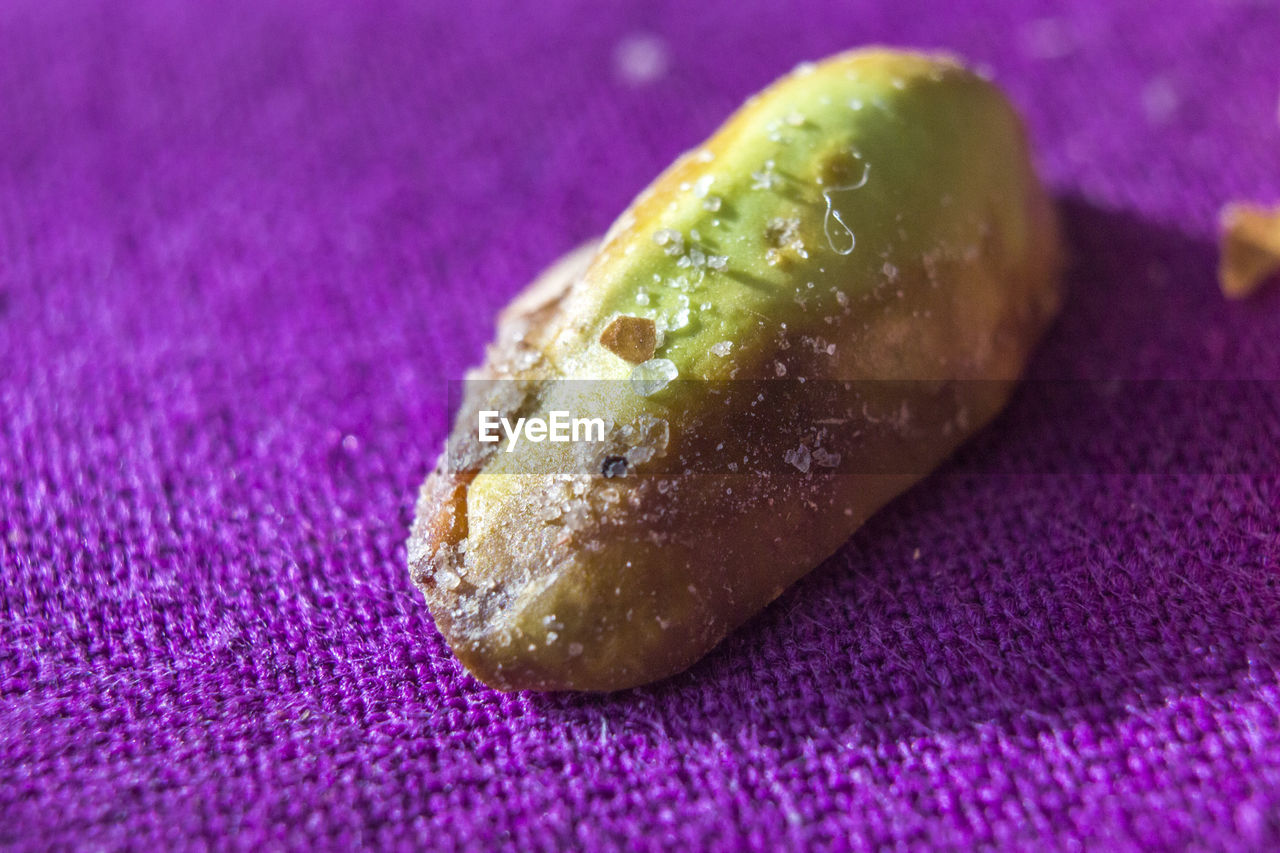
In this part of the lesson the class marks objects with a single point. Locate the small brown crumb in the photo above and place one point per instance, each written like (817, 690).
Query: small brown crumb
(1249, 245)
(632, 338)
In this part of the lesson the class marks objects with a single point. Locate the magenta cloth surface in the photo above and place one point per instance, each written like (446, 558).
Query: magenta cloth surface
(242, 248)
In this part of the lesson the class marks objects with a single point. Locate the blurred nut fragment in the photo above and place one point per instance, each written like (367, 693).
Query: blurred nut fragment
(1250, 248)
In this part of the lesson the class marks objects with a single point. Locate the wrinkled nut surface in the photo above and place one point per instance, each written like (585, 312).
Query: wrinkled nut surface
(873, 217)
(1250, 248)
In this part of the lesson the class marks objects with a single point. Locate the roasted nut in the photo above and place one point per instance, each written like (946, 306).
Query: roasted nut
(869, 231)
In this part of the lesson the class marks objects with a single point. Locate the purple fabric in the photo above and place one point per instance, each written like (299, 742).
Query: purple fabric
(244, 245)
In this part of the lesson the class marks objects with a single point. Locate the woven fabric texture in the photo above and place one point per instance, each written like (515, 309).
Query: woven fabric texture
(243, 247)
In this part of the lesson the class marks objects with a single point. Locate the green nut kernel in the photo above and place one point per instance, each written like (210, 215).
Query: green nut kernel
(790, 326)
